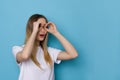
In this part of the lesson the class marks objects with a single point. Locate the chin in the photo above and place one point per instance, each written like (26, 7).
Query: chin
(40, 39)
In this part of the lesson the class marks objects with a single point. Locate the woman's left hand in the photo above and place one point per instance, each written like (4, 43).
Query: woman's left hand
(51, 28)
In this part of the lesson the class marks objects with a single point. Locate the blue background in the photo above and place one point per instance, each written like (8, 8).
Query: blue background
(92, 26)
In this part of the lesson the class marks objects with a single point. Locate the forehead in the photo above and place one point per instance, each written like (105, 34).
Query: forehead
(41, 20)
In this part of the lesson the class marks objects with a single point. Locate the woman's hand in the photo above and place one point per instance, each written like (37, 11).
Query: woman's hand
(51, 28)
(70, 50)
(35, 26)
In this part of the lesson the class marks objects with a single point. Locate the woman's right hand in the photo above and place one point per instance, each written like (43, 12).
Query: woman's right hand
(35, 26)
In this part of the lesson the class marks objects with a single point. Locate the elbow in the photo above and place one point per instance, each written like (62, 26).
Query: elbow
(75, 55)
(25, 57)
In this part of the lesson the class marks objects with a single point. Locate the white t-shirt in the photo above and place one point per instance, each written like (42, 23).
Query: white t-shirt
(30, 71)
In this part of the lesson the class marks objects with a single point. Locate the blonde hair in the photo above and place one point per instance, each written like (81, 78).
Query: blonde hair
(43, 44)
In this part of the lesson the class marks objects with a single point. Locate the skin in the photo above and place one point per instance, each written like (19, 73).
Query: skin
(69, 53)
(41, 29)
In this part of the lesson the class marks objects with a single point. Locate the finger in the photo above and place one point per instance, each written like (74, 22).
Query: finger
(47, 29)
(50, 23)
(46, 25)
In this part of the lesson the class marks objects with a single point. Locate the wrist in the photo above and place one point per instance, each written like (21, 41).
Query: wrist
(34, 32)
(56, 34)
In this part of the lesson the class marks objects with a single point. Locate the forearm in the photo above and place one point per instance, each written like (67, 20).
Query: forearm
(66, 44)
(29, 46)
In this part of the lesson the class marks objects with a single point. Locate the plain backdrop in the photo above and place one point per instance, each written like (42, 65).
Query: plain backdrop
(92, 26)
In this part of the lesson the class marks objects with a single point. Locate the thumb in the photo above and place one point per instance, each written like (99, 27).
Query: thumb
(46, 29)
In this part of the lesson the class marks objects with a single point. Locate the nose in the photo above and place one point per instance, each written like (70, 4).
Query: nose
(42, 29)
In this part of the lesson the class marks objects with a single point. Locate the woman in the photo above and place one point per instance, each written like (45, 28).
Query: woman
(35, 59)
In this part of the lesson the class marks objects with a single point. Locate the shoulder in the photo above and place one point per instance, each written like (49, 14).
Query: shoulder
(53, 50)
(17, 47)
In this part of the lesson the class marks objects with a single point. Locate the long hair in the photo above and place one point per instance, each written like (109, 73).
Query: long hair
(43, 44)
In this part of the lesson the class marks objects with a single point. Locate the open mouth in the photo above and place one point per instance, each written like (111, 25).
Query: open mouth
(42, 35)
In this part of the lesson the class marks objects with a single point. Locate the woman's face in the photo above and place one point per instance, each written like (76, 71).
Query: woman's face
(41, 32)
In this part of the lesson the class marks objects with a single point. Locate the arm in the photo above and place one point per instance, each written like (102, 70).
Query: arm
(26, 52)
(70, 50)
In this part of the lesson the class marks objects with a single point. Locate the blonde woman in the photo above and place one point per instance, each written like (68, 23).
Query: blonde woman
(35, 59)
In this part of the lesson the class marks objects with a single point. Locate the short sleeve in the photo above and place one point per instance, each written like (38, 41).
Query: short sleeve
(54, 52)
(15, 50)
